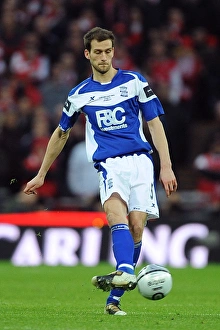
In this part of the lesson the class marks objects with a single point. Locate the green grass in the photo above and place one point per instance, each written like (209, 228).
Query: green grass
(62, 298)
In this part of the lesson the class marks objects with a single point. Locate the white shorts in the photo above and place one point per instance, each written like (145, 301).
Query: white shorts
(132, 177)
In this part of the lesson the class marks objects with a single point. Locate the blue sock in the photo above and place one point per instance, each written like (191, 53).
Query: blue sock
(116, 294)
(137, 251)
(123, 247)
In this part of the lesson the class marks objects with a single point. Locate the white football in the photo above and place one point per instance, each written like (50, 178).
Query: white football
(154, 282)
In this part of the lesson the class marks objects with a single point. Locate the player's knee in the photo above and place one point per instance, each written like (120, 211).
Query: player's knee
(114, 219)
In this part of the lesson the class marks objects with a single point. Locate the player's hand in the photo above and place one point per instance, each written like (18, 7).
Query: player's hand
(32, 185)
(168, 180)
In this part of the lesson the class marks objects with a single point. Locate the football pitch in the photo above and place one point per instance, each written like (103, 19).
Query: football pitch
(62, 298)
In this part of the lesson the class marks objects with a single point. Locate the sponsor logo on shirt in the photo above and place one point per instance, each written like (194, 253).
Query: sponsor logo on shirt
(109, 120)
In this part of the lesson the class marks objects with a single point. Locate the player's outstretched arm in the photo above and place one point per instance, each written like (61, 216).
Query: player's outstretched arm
(167, 177)
(54, 148)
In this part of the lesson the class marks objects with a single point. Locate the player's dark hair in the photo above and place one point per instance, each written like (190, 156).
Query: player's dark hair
(98, 34)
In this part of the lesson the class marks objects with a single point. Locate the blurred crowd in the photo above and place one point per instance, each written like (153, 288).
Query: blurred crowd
(175, 44)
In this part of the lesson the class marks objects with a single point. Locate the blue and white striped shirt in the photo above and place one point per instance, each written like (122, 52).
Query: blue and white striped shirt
(114, 113)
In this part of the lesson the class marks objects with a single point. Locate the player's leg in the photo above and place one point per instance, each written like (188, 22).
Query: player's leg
(114, 194)
(123, 248)
(137, 221)
(122, 243)
(115, 176)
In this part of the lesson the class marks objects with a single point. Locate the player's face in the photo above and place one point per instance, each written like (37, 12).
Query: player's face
(101, 55)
